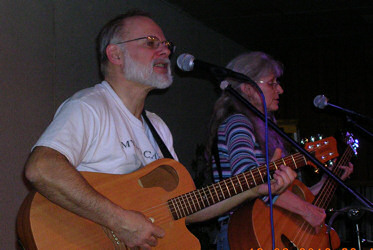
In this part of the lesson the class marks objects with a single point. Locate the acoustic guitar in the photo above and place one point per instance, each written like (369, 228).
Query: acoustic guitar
(249, 226)
(163, 191)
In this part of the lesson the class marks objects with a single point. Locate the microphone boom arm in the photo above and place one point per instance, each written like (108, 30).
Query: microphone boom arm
(351, 112)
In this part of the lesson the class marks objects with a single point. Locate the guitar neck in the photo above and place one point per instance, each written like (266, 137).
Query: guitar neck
(327, 191)
(199, 199)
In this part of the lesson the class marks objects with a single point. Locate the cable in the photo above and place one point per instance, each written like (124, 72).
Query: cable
(267, 164)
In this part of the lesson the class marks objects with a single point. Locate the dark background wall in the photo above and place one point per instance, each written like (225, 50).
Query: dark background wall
(47, 52)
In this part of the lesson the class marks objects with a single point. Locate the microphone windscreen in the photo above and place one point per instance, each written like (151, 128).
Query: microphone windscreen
(224, 84)
(320, 101)
(185, 62)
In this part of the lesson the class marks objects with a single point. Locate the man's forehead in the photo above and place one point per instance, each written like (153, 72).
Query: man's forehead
(141, 26)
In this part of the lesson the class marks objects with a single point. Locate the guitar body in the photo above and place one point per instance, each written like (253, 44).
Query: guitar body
(43, 225)
(249, 227)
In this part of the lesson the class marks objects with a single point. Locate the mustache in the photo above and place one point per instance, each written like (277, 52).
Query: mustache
(162, 60)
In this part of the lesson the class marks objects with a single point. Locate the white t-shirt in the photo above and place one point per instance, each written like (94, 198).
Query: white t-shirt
(97, 133)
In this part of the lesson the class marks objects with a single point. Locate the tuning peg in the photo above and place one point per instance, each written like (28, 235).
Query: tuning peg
(304, 141)
(330, 163)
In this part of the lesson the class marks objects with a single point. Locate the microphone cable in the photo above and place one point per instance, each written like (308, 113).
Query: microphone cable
(267, 163)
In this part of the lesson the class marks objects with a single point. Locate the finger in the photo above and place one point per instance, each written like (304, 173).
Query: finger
(288, 174)
(153, 241)
(291, 173)
(278, 180)
(351, 165)
(158, 232)
(145, 247)
(278, 184)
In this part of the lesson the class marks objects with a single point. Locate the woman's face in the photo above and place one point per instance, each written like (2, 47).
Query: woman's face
(271, 90)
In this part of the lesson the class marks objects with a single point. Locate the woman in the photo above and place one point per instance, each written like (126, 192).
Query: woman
(236, 138)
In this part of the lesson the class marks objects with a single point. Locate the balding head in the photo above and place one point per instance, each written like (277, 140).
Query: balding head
(113, 32)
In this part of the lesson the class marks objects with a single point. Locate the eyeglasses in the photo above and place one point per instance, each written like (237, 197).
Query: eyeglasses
(153, 42)
(273, 84)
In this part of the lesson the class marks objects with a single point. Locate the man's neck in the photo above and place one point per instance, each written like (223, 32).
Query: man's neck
(132, 94)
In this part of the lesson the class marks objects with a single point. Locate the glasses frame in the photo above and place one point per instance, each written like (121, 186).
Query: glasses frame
(170, 45)
(272, 84)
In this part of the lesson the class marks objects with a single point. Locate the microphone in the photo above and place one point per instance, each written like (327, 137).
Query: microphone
(187, 62)
(320, 101)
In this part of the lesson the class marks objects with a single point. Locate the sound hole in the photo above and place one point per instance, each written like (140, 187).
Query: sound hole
(163, 176)
(298, 192)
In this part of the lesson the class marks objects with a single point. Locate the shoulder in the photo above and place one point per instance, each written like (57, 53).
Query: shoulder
(90, 99)
(236, 126)
(92, 95)
(236, 120)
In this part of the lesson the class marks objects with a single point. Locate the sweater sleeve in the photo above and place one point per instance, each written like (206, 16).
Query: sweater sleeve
(240, 143)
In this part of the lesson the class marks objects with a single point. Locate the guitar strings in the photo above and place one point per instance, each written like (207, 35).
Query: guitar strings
(331, 188)
(307, 228)
(323, 199)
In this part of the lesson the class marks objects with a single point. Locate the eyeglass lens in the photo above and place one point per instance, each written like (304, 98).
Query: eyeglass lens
(154, 43)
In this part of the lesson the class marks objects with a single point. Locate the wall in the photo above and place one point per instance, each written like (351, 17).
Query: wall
(47, 52)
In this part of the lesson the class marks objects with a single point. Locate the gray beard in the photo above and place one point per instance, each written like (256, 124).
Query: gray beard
(144, 74)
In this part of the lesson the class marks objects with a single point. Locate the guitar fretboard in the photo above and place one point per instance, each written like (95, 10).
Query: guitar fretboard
(199, 199)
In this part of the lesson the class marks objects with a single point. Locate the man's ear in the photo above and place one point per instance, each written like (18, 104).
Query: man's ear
(114, 54)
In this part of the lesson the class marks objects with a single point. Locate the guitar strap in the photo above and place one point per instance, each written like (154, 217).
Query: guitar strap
(166, 153)
(215, 152)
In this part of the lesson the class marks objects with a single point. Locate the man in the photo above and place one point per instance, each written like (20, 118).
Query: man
(101, 129)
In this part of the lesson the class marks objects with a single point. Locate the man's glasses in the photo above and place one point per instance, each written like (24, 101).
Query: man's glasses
(153, 42)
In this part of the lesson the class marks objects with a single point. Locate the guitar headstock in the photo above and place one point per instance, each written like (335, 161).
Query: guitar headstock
(353, 143)
(323, 150)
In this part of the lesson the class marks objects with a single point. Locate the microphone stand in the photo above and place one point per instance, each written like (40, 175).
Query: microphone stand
(354, 123)
(239, 97)
(354, 214)
(351, 112)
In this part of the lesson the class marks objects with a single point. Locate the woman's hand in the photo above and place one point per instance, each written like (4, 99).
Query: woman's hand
(314, 215)
(348, 170)
(282, 178)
